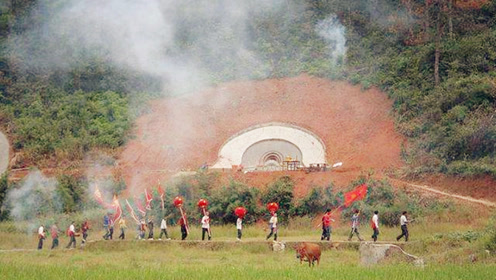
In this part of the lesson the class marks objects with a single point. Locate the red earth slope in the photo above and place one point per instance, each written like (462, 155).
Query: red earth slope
(181, 133)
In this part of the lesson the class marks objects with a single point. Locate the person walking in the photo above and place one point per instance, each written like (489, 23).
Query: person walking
(354, 225)
(150, 228)
(163, 229)
(122, 227)
(84, 230)
(106, 223)
(375, 225)
(41, 237)
(205, 221)
(404, 229)
(273, 227)
(72, 236)
(183, 225)
(54, 232)
(326, 225)
(142, 230)
(111, 227)
(239, 227)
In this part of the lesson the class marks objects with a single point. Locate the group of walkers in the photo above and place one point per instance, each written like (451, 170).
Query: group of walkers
(142, 227)
(374, 223)
(55, 233)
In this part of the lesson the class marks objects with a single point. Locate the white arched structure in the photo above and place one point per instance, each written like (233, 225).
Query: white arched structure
(311, 147)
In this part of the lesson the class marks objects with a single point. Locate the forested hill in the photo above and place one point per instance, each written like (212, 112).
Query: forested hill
(74, 74)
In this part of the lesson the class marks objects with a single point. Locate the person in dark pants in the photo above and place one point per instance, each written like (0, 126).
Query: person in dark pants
(84, 230)
(273, 227)
(41, 237)
(122, 226)
(111, 228)
(72, 236)
(184, 229)
(163, 229)
(375, 225)
(326, 225)
(54, 232)
(354, 225)
(150, 228)
(404, 228)
(106, 223)
(205, 221)
(239, 227)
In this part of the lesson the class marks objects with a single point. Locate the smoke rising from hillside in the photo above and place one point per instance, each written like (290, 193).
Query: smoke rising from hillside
(36, 196)
(184, 44)
(334, 34)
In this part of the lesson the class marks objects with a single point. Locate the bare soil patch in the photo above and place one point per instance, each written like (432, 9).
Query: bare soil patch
(181, 133)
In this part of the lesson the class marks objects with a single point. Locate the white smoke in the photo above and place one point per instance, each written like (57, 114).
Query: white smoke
(36, 196)
(333, 32)
(143, 35)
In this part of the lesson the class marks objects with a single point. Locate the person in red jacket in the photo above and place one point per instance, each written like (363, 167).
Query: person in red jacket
(326, 225)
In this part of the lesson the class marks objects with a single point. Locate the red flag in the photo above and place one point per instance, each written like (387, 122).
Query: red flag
(131, 211)
(162, 194)
(139, 206)
(148, 198)
(98, 197)
(118, 210)
(357, 194)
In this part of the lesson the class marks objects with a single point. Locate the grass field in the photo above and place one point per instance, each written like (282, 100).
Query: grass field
(176, 260)
(445, 242)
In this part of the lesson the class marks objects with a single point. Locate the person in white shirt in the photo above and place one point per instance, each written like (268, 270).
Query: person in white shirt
(72, 235)
(404, 228)
(163, 229)
(273, 227)
(41, 237)
(375, 225)
(205, 221)
(239, 227)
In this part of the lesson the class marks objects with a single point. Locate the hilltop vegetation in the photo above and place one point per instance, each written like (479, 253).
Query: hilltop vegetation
(436, 60)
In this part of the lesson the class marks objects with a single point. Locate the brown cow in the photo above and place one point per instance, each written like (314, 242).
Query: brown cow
(309, 252)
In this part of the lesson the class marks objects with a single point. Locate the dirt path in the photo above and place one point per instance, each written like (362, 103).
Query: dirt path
(443, 193)
(4, 153)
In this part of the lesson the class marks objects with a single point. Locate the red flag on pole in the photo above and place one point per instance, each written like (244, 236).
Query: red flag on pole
(117, 207)
(131, 211)
(357, 194)
(140, 207)
(162, 194)
(148, 198)
(98, 196)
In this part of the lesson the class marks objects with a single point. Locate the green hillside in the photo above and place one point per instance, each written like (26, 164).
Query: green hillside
(62, 97)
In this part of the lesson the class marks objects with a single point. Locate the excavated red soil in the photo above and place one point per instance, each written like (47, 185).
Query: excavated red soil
(181, 133)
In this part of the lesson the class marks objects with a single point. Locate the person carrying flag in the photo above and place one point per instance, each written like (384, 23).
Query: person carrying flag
(106, 223)
(205, 221)
(354, 225)
(111, 227)
(183, 223)
(122, 226)
(273, 227)
(239, 227)
(326, 225)
(163, 228)
(150, 228)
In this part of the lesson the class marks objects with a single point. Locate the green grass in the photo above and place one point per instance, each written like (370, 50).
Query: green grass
(172, 260)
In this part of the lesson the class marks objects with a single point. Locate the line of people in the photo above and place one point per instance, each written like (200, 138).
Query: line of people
(142, 228)
(374, 223)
